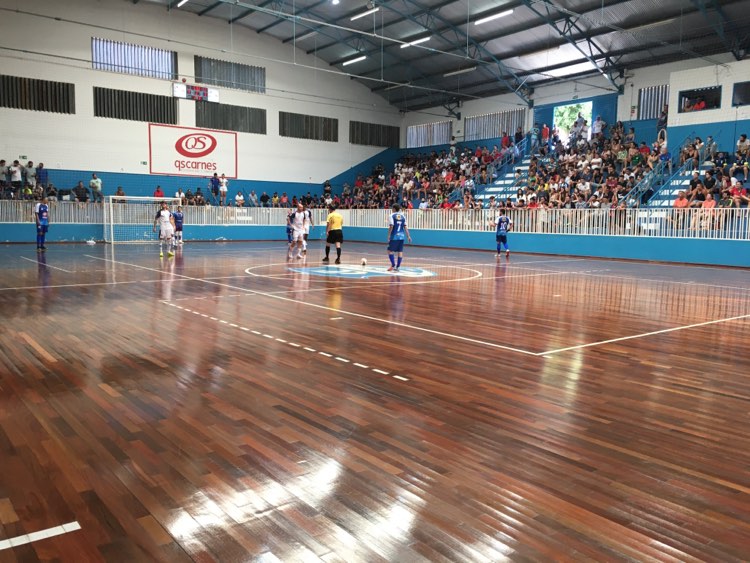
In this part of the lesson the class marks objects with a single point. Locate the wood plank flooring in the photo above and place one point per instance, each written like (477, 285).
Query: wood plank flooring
(223, 406)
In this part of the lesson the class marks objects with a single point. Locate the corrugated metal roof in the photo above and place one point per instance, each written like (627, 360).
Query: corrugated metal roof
(506, 50)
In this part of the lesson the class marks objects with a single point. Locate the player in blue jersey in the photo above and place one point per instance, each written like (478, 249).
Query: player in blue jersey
(289, 234)
(179, 219)
(41, 217)
(503, 225)
(397, 232)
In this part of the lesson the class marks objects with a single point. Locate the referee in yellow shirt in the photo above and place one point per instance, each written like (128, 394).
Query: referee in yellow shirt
(334, 233)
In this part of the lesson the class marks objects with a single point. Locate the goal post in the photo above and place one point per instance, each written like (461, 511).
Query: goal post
(130, 219)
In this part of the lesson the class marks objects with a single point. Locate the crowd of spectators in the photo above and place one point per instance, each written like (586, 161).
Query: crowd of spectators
(595, 167)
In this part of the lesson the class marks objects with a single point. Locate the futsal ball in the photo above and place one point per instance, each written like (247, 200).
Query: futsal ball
(364, 261)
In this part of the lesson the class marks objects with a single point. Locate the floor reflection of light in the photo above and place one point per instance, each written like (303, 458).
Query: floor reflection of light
(184, 527)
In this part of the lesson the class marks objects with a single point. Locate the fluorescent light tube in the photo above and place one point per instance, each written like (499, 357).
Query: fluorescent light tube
(416, 42)
(493, 17)
(352, 61)
(460, 71)
(363, 14)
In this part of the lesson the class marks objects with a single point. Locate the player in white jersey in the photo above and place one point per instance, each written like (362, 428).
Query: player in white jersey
(165, 220)
(297, 220)
(308, 225)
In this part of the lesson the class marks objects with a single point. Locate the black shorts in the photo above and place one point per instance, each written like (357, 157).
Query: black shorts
(335, 236)
(503, 239)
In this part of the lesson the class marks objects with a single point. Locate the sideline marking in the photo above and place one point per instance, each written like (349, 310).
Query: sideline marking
(40, 535)
(663, 331)
(46, 265)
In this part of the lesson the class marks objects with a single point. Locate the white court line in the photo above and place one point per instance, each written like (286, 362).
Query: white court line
(79, 284)
(40, 535)
(343, 312)
(46, 265)
(663, 331)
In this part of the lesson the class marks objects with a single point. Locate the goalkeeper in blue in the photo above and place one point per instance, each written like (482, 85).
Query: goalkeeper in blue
(397, 233)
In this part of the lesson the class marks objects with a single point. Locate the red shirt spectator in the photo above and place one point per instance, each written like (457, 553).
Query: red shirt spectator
(158, 192)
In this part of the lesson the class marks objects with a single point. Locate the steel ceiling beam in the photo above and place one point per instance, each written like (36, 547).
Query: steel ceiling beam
(403, 19)
(536, 47)
(720, 25)
(213, 6)
(567, 27)
(500, 71)
(306, 10)
(542, 70)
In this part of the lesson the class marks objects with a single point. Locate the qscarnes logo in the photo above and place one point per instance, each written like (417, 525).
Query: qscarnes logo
(195, 145)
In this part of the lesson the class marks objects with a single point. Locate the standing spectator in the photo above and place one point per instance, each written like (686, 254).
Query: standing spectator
(518, 136)
(223, 190)
(598, 126)
(16, 178)
(214, 185)
(30, 173)
(661, 123)
(42, 176)
(95, 184)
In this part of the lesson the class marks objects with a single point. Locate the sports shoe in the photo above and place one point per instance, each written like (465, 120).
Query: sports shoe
(338, 260)
(38, 248)
(507, 253)
(161, 255)
(299, 257)
(395, 269)
(392, 268)
(170, 253)
(43, 248)
(325, 259)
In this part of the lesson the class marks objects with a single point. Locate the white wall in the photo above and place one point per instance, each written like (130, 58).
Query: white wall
(695, 69)
(720, 75)
(84, 142)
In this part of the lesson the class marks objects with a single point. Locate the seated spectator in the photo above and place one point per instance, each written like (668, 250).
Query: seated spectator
(51, 191)
(284, 200)
(253, 199)
(158, 192)
(119, 193)
(189, 197)
(265, 200)
(200, 198)
(80, 193)
(239, 200)
(276, 200)
(181, 196)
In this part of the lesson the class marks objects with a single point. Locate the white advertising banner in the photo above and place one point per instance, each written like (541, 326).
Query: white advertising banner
(187, 151)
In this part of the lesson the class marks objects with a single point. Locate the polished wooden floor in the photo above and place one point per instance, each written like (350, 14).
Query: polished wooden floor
(220, 406)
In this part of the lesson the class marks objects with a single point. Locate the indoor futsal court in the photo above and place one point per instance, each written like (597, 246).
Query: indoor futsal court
(230, 405)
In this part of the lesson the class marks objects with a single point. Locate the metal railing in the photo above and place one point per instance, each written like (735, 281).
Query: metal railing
(724, 223)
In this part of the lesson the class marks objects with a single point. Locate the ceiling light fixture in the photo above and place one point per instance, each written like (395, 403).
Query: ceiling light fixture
(363, 14)
(181, 3)
(460, 71)
(306, 36)
(352, 61)
(335, 2)
(493, 17)
(415, 42)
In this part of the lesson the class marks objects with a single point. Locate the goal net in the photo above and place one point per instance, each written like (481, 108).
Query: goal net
(131, 219)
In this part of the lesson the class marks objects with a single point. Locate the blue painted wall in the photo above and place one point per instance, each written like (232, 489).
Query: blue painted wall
(725, 133)
(645, 129)
(695, 251)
